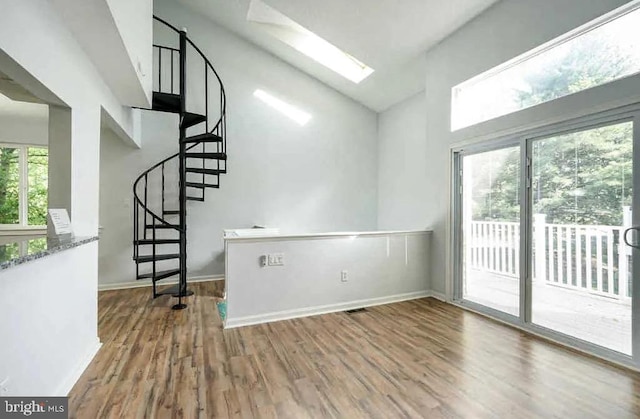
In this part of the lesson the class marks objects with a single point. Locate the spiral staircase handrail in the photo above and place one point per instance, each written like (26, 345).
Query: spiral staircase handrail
(218, 125)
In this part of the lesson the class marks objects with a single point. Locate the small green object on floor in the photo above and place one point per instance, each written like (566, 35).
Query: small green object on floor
(222, 309)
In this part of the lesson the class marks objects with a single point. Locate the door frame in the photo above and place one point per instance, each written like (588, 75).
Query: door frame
(459, 155)
(525, 139)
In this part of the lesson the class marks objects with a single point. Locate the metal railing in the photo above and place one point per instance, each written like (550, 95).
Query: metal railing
(150, 190)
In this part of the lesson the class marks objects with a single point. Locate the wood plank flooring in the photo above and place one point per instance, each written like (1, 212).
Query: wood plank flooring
(420, 358)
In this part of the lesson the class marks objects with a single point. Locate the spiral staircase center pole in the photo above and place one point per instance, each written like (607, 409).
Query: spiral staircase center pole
(182, 287)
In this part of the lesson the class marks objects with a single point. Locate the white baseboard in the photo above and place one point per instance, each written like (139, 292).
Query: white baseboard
(314, 311)
(68, 383)
(140, 284)
(438, 296)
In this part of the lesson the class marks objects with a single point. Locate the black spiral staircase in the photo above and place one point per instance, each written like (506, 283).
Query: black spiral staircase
(161, 193)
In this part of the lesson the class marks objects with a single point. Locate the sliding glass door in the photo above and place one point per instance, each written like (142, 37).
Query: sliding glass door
(491, 221)
(581, 203)
(539, 225)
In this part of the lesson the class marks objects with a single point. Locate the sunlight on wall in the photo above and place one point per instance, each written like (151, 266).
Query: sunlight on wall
(286, 109)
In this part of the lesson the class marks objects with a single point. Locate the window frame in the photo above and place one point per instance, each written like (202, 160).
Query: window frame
(631, 7)
(525, 137)
(23, 186)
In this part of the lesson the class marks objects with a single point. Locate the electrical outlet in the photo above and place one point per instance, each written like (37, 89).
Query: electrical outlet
(276, 259)
(344, 276)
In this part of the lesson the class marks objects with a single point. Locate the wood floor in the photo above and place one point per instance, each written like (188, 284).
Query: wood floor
(421, 358)
(594, 318)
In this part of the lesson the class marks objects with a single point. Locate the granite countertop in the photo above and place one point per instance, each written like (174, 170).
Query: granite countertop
(23, 251)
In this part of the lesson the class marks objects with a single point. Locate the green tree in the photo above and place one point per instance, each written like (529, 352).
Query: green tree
(37, 185)
(38, 167)
(9, 185)
(578, 178)
(495, 185)
(584, 177)
(591, 62)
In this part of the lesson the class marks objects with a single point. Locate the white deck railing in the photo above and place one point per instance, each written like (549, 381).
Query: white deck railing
(590, 258)
(495, 247)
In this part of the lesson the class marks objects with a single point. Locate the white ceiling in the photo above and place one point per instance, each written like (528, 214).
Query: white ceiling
(15, 108)
(391, 36)
(15, 101)
(11, 91)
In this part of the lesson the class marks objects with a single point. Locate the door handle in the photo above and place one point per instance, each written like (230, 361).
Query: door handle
(626, 239)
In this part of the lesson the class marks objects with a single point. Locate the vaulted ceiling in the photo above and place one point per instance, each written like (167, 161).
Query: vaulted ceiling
(391, 36)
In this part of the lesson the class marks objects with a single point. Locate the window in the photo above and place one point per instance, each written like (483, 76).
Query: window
(540, 219)
(23, 186)
(308, 43)
(597, 53)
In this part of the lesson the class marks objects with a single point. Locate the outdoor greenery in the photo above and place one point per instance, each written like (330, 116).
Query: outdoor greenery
(37, 183)
(9, 251)
(578, 178)
(38, 168)
(591, 62)
(584, 177)
(14, 250)
(9, 185)
(495, 184)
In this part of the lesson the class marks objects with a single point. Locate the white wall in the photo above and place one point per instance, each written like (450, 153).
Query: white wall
(52, 302)
(120, 165)
(115, 35)
(381, 268)
(52, 56)
(60, 161)
(319, 177)
(23, 123)
(134, 20)
(24, 130)
(402, 165)
(509, 28)
(48, 328)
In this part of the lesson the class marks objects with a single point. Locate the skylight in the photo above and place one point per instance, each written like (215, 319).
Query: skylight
(307, 42)
(283, 107)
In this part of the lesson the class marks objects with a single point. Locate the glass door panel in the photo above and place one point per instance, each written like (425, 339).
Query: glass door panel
(491, 229)
(581, 194)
